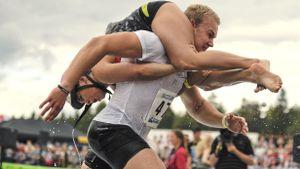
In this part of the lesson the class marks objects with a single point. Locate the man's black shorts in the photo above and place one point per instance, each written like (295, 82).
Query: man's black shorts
(114, 143)
(94, 162)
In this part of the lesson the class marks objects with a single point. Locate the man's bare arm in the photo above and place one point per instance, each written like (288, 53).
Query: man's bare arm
(200, 109)
(96, 49)
(107, 71)
(248, 159)
(205, 113)
(86, 58)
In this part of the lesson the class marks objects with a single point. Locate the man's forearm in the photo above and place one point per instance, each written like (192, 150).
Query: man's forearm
(201, 110)
(244, 157)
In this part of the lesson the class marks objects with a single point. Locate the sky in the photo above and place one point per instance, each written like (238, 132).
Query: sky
(38, 39)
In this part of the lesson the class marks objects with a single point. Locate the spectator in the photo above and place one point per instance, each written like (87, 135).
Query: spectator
(203, 151)
(192, 147)
(260, 150)
(186, 146)
(20, 156)
(9, 155)
(231, 151)
(179, 155)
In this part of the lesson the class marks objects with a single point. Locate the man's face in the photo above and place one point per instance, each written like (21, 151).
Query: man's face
(174, 139)
(197, 135)
(205, 33)
(89, 95)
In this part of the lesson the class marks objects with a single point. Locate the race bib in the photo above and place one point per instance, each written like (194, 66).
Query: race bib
(162, 101)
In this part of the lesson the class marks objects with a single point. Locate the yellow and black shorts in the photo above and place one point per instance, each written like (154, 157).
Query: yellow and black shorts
(140, 19)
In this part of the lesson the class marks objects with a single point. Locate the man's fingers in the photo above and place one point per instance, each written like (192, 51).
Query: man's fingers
(46, 109)
(53, 113)
(43, 103)
(50, 115)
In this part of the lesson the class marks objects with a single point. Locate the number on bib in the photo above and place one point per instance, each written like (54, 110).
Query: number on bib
(159, 106)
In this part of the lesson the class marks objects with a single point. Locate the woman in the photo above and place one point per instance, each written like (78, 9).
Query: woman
(179, 155)
(203, 152)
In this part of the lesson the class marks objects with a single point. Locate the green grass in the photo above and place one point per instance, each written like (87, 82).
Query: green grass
(21, 166)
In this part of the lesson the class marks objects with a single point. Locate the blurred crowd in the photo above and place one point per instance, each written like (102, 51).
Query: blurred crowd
(57, 154)
(269, 152)
(177, 150)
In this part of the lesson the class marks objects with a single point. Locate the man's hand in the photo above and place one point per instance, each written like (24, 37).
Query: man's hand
(230, 147)
(53, 104)
(237, 124)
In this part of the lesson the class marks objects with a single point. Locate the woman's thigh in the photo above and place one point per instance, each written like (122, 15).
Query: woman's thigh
(175, 31)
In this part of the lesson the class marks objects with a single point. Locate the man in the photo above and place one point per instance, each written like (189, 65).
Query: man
(231, 151)
(98, 47)
(137, 106)
(198, 107)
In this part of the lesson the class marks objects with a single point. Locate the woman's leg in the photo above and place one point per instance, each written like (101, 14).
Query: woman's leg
(210, 80)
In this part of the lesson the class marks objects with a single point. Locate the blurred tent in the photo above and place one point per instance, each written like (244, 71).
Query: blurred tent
(36, 130)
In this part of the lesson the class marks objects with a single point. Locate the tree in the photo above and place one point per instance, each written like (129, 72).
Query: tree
(277, 117)
(84, 123)
(213, 100)
(251, 111)
(294, 123)
(167, 120)
(33, 115)
(100, 106)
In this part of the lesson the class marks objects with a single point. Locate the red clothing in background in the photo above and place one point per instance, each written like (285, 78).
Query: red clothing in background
(178, 160)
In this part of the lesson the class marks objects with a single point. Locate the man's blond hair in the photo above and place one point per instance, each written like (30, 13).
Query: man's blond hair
(197, 12)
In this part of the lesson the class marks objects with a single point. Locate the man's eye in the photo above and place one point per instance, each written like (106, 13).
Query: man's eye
(80, 99)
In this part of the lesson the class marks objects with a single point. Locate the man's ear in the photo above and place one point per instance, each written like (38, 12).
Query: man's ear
(83, 80)
(193, 23)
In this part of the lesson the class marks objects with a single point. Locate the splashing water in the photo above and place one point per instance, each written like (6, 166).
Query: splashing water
(75, 145)
(190, 124)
